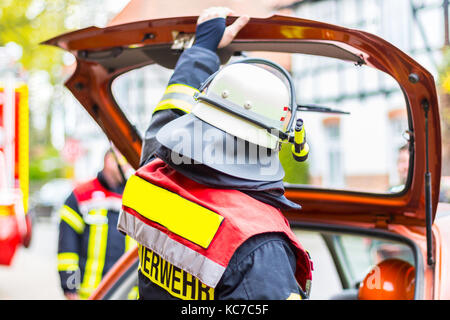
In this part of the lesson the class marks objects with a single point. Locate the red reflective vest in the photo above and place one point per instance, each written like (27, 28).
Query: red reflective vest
(197, 228)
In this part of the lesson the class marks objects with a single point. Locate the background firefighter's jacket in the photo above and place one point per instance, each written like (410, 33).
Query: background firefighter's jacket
(89, 242)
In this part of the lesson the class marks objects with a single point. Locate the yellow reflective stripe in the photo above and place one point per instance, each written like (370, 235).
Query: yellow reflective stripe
(181, 88)
(294, 296)
(96, 253)
(182, 217)
(67, 267)
(68, 256)
(130, 243)
(72, 218)
(85, 293)
(133, 294)
(177, 96)
(67, 261)
(182, 105)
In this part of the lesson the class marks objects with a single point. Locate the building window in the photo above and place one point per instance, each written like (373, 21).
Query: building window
(334, 175)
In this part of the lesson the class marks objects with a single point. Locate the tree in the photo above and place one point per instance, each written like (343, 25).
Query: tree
(26, 23)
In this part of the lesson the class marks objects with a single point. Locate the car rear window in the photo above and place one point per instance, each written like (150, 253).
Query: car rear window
(364, 151)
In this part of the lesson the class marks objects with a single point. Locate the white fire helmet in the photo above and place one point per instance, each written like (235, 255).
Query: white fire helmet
(246, 89)
(245, 106)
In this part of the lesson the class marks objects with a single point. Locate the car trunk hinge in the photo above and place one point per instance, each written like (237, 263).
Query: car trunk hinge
(382, 221)
(428, 200)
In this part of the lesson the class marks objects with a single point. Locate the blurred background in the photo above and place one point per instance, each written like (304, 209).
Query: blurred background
(66, 146)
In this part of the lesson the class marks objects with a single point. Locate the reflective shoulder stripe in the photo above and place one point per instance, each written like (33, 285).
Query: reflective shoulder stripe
(177, 96)
(72, 218)
(167, 104)
(182, 217)
(181, 88)
(67, 261)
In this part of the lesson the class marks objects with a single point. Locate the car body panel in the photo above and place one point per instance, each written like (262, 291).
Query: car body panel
(430, 280)
(441, 235)
(104, 53)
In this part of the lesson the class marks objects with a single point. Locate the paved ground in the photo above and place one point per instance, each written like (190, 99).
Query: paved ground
(33, 274)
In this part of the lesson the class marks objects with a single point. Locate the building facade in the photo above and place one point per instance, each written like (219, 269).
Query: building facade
(360, 151)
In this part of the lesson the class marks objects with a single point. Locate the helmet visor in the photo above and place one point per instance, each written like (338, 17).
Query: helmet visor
(192, 140)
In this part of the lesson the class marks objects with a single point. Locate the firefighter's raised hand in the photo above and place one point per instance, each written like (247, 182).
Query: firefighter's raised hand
(215, 34)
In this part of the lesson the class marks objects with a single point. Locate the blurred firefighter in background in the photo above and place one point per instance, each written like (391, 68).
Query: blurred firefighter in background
(89, 242)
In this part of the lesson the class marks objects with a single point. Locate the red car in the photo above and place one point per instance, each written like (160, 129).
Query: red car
(352, 231)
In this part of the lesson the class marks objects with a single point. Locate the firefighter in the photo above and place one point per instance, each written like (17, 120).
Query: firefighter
(205, 205)
(89, 242)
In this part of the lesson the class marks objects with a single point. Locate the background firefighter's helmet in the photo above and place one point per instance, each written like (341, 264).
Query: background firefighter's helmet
(242, 113)
(391, 279)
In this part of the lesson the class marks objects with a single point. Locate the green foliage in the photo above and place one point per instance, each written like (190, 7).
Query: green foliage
(296, 172)
(46, 165)
(28, 23)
